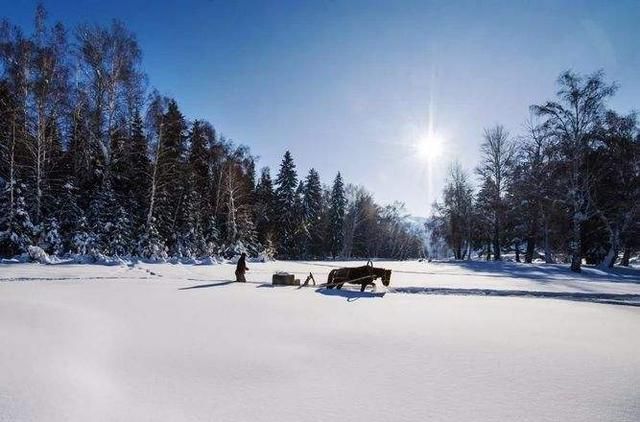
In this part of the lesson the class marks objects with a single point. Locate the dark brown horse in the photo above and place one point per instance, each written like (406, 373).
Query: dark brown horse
(363, 276)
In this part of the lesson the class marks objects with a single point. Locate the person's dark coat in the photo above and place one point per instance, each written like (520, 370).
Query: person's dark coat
(241, 268)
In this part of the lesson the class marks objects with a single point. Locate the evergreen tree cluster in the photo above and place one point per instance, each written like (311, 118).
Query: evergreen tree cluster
(566, 190)
(92, 163)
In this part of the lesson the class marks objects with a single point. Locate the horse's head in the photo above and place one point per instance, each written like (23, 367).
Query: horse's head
(386, 277)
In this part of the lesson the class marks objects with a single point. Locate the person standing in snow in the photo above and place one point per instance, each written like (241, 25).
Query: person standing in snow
(241, 268)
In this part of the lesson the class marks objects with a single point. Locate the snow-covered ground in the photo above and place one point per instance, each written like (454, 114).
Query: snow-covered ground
(447, 342)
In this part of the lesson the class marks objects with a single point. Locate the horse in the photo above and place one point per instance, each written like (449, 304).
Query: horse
(364, 276)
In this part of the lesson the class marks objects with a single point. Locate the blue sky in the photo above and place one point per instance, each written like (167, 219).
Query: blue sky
(349, 85)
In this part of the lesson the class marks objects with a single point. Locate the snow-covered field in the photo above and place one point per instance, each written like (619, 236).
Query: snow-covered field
(447, 342)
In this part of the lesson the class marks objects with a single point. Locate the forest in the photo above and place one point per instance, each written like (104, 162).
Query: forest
(95, 163)
(567, 190)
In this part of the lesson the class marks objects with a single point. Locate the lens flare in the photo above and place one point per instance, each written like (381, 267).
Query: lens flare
(430, 147)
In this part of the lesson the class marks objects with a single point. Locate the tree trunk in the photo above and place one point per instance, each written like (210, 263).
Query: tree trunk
(12, 169)
(626, 256)
(576, 246)
(496, 243)
(548, 255)
(517, 251)
(610, 259)
(612, 256)
(531, 247)
(489, 251)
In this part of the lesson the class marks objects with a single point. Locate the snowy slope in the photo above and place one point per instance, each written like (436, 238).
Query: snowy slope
(121, 344)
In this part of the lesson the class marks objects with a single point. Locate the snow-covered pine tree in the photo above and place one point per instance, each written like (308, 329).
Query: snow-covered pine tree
(138, 176)
(337, 208)
(312, 205)
(68, 213)
(194, 209)
(109, 225)
(16, 229)
(130, 175)
(200, 136)
(190, 232)
(120, 234)
(151, 244)
(83, 240)
(287, 182)
(301, 237)
(174, 155)
(50, 239)
(211, 237)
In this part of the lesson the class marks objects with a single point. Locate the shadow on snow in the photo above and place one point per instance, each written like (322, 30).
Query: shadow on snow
(546, 272)
(607, 298)
(219, 283)
(350, 295)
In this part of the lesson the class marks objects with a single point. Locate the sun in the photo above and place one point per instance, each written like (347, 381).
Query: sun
(429, 147)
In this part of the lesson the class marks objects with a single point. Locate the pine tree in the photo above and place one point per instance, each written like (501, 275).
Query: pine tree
(83, 240)
(68, 213)
(50, 238)
(194, 209)
(109, 225)
(173, 156)
(199, 137)
(190, 240)
(151, 245)
(211, 236)
(136, 173)
(336, 216)
(287, 182)
(119, 236)
(16, 229)
(301, 236)
(312, 211)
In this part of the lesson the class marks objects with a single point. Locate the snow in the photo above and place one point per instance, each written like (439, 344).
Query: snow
(178, 342)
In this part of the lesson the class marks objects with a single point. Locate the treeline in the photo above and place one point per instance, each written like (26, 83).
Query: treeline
(92, 163)
(567, 190)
